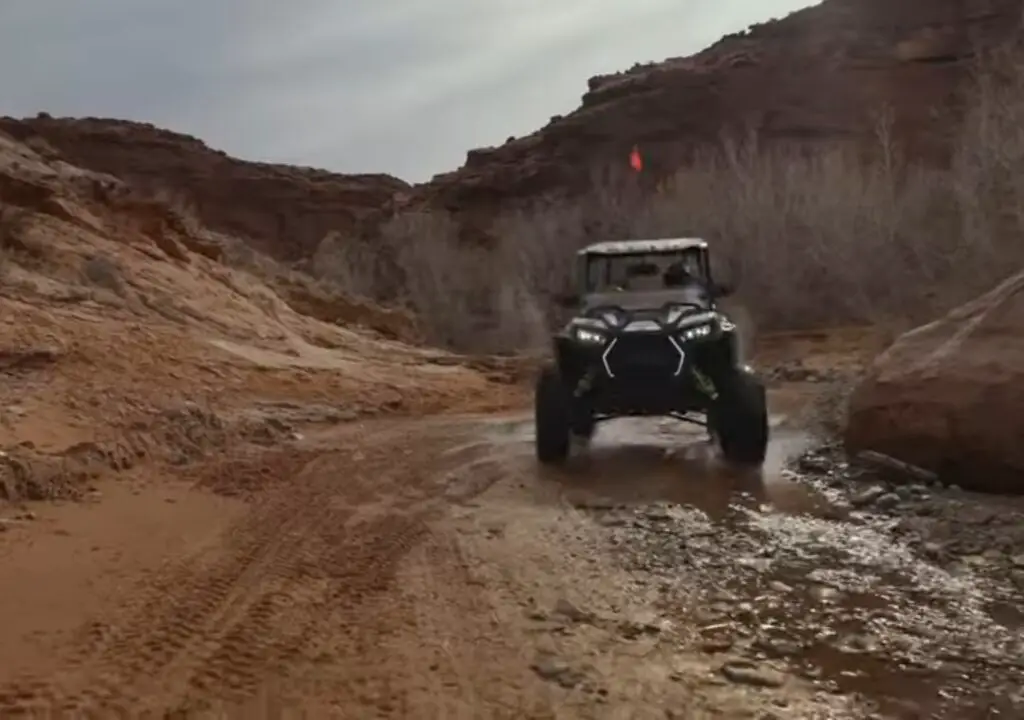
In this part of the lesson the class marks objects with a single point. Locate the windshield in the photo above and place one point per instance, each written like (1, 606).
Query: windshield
(642, 271)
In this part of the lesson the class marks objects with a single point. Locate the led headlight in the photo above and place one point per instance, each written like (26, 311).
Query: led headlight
(695, 333)
(588, 336)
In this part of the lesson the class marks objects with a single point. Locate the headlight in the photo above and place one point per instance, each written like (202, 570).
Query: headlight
(590, 337)
(696, 332)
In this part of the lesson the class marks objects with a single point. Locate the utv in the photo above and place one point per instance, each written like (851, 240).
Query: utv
(647, 339)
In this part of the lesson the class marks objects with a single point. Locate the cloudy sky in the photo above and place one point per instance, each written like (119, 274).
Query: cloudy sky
(399, 86)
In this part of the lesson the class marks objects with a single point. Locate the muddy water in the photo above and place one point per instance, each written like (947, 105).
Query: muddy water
(643, 461)
(781, 568)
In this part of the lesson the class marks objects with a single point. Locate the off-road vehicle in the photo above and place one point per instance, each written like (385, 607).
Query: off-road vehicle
(647, 338)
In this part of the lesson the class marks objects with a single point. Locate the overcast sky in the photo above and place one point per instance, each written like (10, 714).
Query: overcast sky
(398, 86)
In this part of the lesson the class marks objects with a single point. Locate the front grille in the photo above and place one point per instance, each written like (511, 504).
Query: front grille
(650, 315)
(643, 354)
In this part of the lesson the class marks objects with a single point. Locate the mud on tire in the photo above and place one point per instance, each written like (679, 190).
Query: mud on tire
(552, 417)
(740, 418)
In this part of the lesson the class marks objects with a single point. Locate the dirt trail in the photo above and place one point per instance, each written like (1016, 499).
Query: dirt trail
(404, 570)
(428, 568)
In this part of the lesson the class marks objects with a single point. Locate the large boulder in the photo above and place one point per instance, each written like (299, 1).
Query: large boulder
(949, 396)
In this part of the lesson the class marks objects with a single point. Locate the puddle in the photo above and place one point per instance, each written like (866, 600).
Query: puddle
(844, 601)
(1009, 614)
(642, 461)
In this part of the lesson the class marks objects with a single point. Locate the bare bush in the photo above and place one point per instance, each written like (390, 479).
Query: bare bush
(811, 236)
(464, 296)
(350, 264)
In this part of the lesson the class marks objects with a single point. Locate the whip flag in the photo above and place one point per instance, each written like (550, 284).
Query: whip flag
(635, 161)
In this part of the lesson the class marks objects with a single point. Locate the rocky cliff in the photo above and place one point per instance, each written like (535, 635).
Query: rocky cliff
(284, 210)
(828, 73)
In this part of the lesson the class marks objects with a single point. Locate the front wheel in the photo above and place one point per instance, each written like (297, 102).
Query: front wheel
(552, 417)
(739, 418)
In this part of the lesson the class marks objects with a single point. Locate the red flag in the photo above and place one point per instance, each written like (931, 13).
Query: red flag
(635, 161)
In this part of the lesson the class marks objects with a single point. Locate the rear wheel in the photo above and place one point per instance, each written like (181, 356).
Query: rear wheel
(739, 418)
(552, 417)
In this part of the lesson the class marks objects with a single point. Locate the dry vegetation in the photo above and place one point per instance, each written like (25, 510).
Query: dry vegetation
(817, 238)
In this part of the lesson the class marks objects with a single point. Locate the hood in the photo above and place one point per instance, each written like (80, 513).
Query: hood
(632, 300)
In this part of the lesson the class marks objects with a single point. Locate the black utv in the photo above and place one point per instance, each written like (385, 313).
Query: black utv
(647, 338)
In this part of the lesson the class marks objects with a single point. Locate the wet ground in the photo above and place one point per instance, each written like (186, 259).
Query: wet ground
(907, 596)
(430, 568)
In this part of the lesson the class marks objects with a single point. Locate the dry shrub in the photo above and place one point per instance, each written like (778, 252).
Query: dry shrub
(811, 237)
(464, 297)
(350, 264)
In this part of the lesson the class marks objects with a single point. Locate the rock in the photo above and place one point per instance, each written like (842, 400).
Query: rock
(778, 646)
(812, 463)
(747, 673)
(894, 468)
(888, 501)
(555, 670)
(716, 645)
(632, 629)
(867, 497)
(859, 644)
(824, 593)
(949, 396)
(593, 503)
(837, 510)
(659, 513)
(571, 612)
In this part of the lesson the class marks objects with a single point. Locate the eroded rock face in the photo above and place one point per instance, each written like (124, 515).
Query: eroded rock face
(949, 396)
(821, 74)
(284, 210)
(826, 74)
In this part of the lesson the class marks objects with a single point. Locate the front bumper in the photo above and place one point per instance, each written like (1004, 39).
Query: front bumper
(654, 373)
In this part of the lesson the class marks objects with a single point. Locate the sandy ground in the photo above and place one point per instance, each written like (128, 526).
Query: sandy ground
(428, 568)
(400, 569)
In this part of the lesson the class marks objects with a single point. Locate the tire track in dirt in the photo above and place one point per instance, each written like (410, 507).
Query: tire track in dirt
(185, 605)
(214, 626)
